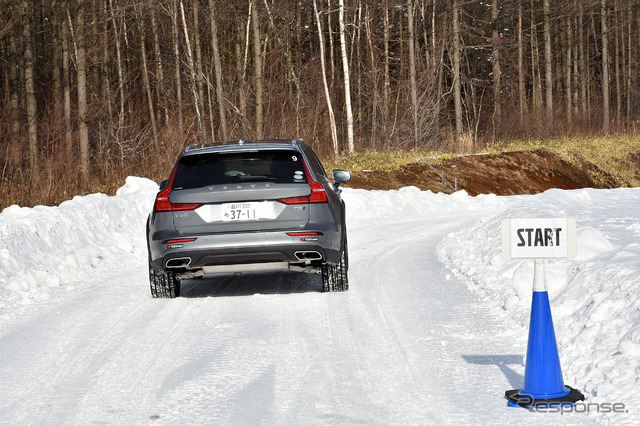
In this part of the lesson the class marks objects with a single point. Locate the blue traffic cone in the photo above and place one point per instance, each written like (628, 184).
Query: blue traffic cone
(543, 384)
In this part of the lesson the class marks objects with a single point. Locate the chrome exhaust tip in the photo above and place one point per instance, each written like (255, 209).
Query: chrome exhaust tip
(308, 255)
(178, 262)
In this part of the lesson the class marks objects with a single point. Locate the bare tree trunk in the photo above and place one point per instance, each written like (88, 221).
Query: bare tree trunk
(217, 65)
(521, 89)
(495, 60)
(83, 128)
(387, 82)
(145, 75)
(194, 78)
(119, 66)
(32, 110)
(238, 88)
(66, 86)
(535, 63)
(345, 69)
(358, 63)
(332, 60)
(106, 81)
(160, 90)
(412, 73)
(56, 51)
(292, 70)
(176, 58)
(242, 58)
(199, 73)
(257, 58)
(374, 77)
(618, 59)
(568, 77)
(423, 17)
(606, 125)
(630, 55)
(548, 62)
(14, 98)
(584, 64)
(332, 119)
(456, 73)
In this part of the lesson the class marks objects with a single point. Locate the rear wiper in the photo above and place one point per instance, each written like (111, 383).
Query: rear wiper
(251, 178)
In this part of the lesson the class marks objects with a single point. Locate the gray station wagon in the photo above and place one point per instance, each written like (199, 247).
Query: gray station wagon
(248, 206)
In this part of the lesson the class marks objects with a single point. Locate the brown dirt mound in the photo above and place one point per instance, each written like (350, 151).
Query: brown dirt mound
(510, 173)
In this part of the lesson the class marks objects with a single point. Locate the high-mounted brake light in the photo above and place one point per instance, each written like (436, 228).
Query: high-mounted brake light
(300, 234)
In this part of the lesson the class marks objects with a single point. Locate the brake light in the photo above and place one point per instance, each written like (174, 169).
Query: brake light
(164, 205)
(318, 193)
(302, 234)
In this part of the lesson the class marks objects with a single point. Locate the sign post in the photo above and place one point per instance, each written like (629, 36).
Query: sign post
(541, 239)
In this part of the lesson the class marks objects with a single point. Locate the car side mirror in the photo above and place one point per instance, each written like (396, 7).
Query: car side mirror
(341, 176)
(163, 185)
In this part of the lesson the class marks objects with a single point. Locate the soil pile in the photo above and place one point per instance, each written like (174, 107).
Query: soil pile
(509, 173)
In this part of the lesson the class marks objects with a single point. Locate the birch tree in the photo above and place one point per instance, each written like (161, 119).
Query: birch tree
(325, 84)
(345, 70)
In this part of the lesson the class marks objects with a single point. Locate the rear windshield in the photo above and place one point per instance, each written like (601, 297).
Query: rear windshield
(278, 166)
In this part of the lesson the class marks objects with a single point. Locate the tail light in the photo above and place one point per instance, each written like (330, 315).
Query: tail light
(163, 204)
(318, 193)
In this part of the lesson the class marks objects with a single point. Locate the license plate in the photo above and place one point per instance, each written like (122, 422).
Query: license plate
(240, 211)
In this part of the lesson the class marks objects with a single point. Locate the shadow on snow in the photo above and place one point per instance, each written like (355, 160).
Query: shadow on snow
(250, 283)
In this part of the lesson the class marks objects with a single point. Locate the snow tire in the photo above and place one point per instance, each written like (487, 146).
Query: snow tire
(164, 285)
(334, 276)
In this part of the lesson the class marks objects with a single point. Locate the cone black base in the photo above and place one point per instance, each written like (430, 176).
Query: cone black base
(524, 400)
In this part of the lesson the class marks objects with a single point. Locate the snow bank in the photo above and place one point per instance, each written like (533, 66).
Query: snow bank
(595, 298)
(47, 247)
(411, 201)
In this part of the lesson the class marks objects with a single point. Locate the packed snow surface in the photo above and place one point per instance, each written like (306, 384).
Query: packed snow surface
(433, 328)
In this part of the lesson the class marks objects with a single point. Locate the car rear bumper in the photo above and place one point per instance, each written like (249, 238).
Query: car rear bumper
(274, 248)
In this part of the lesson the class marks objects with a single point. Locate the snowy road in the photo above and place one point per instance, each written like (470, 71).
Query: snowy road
(404, 345)
(407, 344)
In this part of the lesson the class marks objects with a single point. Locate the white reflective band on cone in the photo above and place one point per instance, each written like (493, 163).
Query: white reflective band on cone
(539, 279)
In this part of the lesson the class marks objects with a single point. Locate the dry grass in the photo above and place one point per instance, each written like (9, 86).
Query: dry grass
(618, 156)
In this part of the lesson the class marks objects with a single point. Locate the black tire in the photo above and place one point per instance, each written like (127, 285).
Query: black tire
(334, 276)
(164, 285)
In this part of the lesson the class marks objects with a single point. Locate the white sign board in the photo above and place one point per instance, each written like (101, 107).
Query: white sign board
(539, 238)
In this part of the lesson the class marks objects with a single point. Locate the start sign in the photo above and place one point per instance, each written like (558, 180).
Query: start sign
(539, 238)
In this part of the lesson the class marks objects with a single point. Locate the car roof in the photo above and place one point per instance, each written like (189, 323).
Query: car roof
(242, 145)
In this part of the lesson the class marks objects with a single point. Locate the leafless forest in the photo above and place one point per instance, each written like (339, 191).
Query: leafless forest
(94, 90)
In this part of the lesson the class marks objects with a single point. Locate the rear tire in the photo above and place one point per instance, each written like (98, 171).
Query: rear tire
(163, 285)
(334, 276)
